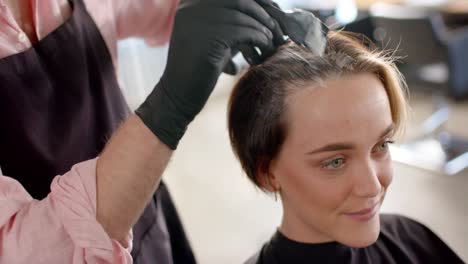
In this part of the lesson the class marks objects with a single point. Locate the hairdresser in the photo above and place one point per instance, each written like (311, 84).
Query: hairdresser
(60, 100)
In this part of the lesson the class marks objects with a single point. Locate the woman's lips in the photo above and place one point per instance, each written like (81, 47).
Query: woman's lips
(364, 215)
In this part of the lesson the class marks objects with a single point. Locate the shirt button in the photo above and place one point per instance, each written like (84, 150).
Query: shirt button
(22, 37)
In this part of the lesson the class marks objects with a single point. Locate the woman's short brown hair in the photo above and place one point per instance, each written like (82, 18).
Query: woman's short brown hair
(256, 122)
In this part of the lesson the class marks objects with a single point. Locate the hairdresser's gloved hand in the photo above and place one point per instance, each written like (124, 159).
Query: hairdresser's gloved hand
(205, 34)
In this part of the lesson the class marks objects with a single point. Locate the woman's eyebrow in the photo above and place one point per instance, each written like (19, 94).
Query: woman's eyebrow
(388, 131)
(333, 147)
(347, 145)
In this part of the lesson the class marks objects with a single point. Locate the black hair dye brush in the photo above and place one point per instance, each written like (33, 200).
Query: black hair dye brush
(300, 26)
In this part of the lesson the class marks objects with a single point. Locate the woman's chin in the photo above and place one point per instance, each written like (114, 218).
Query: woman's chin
(362, 242)
(361, 235)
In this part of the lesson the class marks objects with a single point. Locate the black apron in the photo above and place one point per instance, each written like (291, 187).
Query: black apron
(59, 103)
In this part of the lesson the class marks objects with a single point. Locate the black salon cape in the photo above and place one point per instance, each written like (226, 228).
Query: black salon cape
(401, 241)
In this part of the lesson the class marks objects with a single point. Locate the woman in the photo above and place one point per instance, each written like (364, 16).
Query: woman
(315, 130)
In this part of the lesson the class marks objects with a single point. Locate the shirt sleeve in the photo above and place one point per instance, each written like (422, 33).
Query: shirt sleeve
(149, 19)
(61, 228)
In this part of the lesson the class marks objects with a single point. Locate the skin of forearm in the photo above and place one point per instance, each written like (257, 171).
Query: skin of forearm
(128, 173)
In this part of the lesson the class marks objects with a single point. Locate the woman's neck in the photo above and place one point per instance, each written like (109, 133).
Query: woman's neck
(297, 230)
(23, 15)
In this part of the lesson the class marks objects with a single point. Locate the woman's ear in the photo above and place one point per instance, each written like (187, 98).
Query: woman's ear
(265, 178)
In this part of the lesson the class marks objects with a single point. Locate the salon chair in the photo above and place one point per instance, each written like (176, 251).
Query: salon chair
(434, 60)
(430, 52)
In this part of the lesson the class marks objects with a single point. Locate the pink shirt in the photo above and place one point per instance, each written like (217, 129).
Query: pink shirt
(116, 19)
(62, 228)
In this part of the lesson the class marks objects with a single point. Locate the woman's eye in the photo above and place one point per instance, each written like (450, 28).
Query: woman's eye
(334, 163)
(383, 147)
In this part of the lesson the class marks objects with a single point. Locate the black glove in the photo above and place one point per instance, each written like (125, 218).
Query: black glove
(205, 34)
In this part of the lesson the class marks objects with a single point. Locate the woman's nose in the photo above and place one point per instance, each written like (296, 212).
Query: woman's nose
(366, 179)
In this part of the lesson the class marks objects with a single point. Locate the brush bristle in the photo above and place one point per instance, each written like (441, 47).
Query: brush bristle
(307, 30)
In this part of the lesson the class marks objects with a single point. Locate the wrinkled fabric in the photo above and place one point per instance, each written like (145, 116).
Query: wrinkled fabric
(64, 225)
(115, 19)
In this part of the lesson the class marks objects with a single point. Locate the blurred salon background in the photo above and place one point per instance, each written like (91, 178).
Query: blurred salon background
(227, 219)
